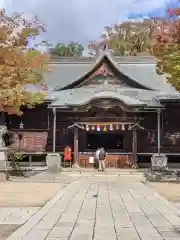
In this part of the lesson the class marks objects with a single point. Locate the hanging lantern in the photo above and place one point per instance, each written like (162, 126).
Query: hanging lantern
(105, 129)
(111, 127)
(123, 127)
(87, 128)
(98, 128)
(129, 127)
(93, 128)
(117, 126)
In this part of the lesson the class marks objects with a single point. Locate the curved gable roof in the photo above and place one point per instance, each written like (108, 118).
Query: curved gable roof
(139, 71)
(146, 74)
(105, 58)
(84, 95)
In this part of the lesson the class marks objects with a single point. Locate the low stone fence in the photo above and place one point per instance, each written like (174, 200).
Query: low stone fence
(160, 172)
(166, 175)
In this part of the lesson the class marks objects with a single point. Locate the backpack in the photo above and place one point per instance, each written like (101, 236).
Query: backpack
(102, 154)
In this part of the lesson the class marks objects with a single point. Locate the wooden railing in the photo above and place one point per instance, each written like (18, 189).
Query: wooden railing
(119, 160)
(170, 149)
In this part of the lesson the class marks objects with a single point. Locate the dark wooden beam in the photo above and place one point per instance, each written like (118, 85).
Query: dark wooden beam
(54, 130)
(76, 146)
(159, 131)
(134, 147)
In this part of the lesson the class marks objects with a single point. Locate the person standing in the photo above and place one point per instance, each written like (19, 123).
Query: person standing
(101, 159)
(97, 158)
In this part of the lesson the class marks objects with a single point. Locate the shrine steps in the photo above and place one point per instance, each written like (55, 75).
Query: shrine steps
(109, 171)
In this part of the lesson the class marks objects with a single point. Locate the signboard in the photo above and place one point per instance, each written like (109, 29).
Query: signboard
(30, 141)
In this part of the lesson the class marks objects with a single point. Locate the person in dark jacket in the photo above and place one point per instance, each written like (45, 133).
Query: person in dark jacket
(101, 159)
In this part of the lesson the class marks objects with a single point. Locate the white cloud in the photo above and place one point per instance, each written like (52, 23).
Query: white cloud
(2, 3)
(5, 3)
(82, 20)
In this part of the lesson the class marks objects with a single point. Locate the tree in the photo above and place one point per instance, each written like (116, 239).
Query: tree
(166, 47)
(130, 37)
(19, 65)
(72, 49)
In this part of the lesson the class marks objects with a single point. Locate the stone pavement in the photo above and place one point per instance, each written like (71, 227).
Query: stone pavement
(46, 177)
(16, 216)
(104, 207)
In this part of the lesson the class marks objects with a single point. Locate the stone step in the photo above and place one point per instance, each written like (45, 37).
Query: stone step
(108, 171)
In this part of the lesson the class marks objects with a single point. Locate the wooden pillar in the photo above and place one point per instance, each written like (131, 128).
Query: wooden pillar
(48, 122)
(159, 130)
(76, 150)
(134, 146)
(54, 130)
(30, 160)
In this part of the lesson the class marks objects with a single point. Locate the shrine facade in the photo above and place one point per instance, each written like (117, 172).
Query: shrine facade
(118, 103)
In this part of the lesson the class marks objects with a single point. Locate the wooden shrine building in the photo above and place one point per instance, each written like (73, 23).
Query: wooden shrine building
(119, 103)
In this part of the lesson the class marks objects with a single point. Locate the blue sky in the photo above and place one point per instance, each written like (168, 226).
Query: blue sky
(83, 20)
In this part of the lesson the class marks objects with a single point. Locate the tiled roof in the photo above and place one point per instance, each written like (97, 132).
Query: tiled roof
(66, 73)
(146, 74)
(140, 69)
(84, 95)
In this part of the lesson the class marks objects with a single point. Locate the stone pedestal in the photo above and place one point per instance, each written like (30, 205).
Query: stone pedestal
(3, 159)
(159, 161)
(3, 164)
(3, 154)
(53, 161)
(153, 176)
(76, 165)
(158, 168)
(3, 149)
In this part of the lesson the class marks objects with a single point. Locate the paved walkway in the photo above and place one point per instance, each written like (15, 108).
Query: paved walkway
(104, 207)
(16, 216)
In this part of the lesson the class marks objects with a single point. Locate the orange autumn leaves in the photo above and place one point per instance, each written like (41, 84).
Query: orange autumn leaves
(159, 37)
(166, 48)
(19, 65)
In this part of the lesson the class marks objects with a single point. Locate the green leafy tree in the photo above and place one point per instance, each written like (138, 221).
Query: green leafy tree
(72, 49)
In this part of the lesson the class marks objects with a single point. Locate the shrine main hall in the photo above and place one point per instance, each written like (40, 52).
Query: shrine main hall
(119, 103)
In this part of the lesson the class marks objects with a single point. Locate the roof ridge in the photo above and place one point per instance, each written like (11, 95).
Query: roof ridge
(118, 59)
(110, 58)
(71, 62)
(99, 60)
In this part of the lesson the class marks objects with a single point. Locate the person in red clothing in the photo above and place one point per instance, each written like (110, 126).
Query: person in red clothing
(67, 153)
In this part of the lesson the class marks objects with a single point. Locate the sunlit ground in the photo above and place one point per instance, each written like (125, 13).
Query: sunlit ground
(24, 194)
(171, 191)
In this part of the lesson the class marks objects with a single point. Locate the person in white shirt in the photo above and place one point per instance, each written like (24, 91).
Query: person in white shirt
(97, 153)
(101, 156)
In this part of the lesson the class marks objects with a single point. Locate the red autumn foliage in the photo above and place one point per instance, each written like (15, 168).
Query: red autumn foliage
(166, 47)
